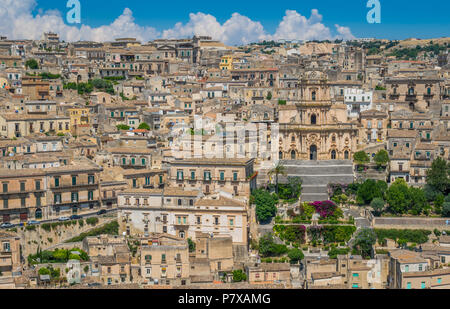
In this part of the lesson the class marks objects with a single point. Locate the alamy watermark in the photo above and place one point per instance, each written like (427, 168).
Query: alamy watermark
(374, 15)
(74, 14)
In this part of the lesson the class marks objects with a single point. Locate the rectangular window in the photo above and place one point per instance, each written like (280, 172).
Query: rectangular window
(74, 180)
(74, 196)
(5, 187)
(235, 176)
(192, 175)
(91, 195)
(422, 285)
(5, 203)
(91, 179)
(56, 182)
(38, 185)
(22, 186)
(222, 176)
(408, 285)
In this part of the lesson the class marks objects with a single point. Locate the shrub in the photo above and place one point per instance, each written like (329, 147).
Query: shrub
(239, 276)
(92, 221)
(295, 255)
(111, 228)
(265, 205)
(334, 252)
(416, 236)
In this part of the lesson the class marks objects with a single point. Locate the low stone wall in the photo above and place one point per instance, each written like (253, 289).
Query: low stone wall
(30, 240)
(414, 223)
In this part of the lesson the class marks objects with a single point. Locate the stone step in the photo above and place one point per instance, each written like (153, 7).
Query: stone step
(323, 180)
(317, 163)
(314, 189)
(313, 197)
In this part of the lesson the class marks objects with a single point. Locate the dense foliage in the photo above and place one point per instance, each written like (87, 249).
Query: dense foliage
(438, 176)
(295, 255)
(361, 157)
(370, 190)
(57, 256)
(32, 64)
(291, 233)
(110, 229)
(268, 247)
(265, 205)
(413, 236)
(364, 241)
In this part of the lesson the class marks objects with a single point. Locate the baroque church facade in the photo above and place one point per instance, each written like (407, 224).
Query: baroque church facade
(314, 127)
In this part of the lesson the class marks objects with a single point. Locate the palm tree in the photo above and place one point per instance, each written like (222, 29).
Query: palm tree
(279, 169)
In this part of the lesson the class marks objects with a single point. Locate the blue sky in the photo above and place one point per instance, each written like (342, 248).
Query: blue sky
(400, 18)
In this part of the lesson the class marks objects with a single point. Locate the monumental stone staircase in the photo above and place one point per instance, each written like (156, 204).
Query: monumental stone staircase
(317, 175)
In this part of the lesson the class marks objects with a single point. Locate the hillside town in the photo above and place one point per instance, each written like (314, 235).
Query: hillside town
(190, 164)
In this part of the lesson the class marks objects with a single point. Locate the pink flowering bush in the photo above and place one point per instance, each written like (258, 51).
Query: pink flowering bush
(325, 209)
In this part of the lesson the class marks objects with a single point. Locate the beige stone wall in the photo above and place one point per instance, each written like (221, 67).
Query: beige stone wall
(31, 240)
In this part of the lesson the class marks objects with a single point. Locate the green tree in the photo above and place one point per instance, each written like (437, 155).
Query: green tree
(361, 157)
(381, 158)
(32, 64)
(446, 209)
(279, 169)
(191, 245)
(269, 96)
(418, 200)
(239, 276)
(369, 190)
(265, 205)
(378, 205)
(439, 203)
(438, 175)
(144, 126)
(44, 271)
(123, 127)
(295, 255)
(364, 241)
(268, 247)
(398, 197)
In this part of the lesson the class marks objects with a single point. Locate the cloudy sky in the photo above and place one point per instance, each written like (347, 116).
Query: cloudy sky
(233, 22)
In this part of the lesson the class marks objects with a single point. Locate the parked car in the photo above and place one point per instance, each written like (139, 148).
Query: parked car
(6, 225)
(33, 222)
(75, 217)
(64, 219)
(101, 212)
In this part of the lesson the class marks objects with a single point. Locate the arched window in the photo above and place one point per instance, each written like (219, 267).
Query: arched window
(280, 155)
(429, 91)
(333, 138)
(293, 138)
(38, 214)
(313, 119)
(346, 155)
(293, 155)
(411, 91)
(333, 155)
(313, 95)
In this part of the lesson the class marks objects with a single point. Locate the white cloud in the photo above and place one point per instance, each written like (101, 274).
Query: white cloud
(238, 29)
(344, 33)
(18, 22)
